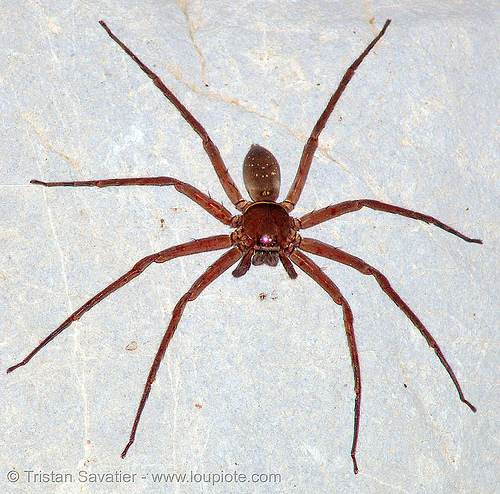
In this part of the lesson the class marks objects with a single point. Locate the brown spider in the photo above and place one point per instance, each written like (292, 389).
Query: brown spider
(264, 233)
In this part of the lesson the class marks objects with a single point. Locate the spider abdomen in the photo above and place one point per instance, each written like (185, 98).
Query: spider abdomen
(261, 174)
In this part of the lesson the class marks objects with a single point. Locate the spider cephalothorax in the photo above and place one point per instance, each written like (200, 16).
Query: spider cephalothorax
(265, 233)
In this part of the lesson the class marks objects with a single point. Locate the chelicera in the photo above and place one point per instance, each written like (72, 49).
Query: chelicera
(263, 233)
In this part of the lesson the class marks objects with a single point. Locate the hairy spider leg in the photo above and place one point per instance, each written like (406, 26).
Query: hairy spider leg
(211, 149)
(314, 271)
(216, 209)
(325, 214)
(319, 248)
(214, 271)
(312, 143)
(194, 247)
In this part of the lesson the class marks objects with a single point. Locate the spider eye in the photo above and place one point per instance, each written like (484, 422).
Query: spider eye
(265, 240)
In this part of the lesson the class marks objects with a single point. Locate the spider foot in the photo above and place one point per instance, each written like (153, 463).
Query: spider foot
(126, 449)
(355, 464)
(14, 367)
(469, 404)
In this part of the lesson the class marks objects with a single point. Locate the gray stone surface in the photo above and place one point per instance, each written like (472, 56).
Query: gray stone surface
(253, 384)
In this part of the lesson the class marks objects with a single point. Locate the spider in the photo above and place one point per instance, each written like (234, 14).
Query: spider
(263, 233)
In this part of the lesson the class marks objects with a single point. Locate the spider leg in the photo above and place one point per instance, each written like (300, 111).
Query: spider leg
(193, 247)
(321, 249)
(213, 272)
(324, 214)
(206, 202)
(314, 271)
(211, 149)
(312, 142)
(288, 265)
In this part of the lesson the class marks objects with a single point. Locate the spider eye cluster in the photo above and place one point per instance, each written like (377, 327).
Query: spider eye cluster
(266, 240)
